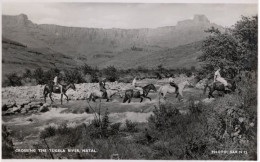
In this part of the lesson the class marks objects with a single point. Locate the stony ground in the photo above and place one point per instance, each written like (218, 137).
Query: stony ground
(26, 114)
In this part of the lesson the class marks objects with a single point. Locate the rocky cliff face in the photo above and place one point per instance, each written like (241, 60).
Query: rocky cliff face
(98, 47)
(88, 40)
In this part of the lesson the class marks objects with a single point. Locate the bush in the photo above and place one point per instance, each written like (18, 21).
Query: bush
(48, 132)
(111, 73)
(130, 126)
(164, 116)
(12, 80)
(38, 74)
(7, 144)
(115, 128)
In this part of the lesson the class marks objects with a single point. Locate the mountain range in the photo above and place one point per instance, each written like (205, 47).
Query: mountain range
(66, 47)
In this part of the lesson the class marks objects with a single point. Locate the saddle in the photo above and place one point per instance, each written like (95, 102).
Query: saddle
(56, 87)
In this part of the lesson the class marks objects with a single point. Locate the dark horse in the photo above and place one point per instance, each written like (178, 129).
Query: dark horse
(50, 88)
(220, 87)
(130, 93)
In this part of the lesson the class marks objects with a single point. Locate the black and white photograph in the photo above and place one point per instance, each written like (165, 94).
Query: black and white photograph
(129, 80)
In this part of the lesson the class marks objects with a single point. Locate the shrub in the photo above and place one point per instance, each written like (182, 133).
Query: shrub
(7, 144)
(130, 126)
(115, 128)
(12, 80)
(48, 132)
(38, 74)
(111, 73)
(164, 116)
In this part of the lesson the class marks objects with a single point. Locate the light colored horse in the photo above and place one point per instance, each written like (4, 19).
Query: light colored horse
(97, 94)
(163, 90)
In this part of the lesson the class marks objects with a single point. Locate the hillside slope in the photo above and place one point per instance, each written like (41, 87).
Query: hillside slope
(96, 45)
(178, 57)
(16, 57)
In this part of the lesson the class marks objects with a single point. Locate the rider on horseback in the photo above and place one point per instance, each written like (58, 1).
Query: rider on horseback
(137, 87)
(56, 82)
(173, 84)
(217, 77)
(102, 87)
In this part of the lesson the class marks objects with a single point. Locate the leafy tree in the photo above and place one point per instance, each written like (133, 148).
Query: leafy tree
(27, 74)
(246, 31)
(111, 73)
(234, 49)
(73, 76)
(13, 80)
(38, 74)
(87, 69)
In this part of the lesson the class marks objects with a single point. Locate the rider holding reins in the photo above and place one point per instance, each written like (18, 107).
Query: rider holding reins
(56, 82)
(217, 77)
(102, 87)
(173, 84)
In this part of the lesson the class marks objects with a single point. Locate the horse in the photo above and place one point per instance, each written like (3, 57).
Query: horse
(212, 86)
(95, 94)
(130, 93)
(163, 90)
(50, 88)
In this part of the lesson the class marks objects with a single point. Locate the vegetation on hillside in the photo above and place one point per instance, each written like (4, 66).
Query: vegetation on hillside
(88, 74)
(227, 124)
(234, 50)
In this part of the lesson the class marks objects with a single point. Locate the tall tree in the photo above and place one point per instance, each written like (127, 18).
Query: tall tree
(234, 49)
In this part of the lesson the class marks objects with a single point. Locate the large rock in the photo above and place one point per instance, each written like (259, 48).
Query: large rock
(43, 109)
(35, 103)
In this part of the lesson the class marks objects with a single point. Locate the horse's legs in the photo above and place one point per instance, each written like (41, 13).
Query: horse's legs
(45, 95)
(125, 99)
(107, 100)
(66, 97)
(50, 97)
(148, 98)
(141, 99)
(129, 100)
(61, 96)
(211, 94)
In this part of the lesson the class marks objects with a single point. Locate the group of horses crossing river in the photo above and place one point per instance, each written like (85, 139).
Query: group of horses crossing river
(132, 93)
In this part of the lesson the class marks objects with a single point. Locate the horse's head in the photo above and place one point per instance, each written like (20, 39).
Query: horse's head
(72, 86)
(152, 87)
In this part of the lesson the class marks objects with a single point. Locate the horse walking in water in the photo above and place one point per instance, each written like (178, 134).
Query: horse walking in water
(218, 86)
(50, 88)
(130, 93)
(96, 94)
(163, 90)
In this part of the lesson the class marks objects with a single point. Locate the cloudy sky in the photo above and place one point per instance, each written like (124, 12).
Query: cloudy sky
(129, 15)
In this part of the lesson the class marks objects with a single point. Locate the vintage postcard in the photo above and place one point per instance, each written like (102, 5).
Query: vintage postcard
(129, 80)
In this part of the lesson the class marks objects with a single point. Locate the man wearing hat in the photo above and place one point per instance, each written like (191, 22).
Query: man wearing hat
(217, 77)
(102, 87)
(56, 82)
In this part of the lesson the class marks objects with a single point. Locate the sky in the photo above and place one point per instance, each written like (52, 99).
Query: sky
(126, 15)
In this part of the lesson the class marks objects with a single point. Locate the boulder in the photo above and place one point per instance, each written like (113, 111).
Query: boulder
(46, 105)
(36, 103)
(43, 109)
(4, 107)
(27, 107)
(23, 111)
(16, 109)
(35, 106)
(8, 112)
